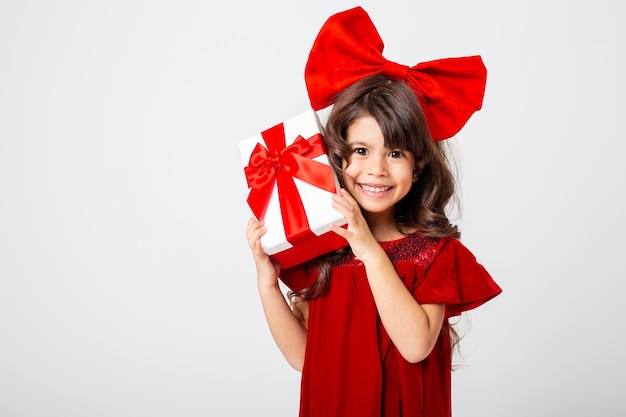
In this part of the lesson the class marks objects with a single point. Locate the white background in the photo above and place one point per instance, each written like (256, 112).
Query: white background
(126, 285)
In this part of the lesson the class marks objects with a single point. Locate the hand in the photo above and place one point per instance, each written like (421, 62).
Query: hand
(267, 270)
(358, 233)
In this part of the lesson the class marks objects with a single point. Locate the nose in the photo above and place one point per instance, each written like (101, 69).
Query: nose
(377, 166)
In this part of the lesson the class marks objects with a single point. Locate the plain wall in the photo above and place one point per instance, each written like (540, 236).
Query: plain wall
(126, 284)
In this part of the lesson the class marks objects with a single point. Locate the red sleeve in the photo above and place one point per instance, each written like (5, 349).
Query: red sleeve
(456, 279)
(296, 278)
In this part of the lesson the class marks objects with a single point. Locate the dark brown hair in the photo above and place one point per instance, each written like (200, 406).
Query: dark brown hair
(396, 109)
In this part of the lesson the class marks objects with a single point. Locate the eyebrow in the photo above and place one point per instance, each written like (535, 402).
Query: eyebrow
(358, 142)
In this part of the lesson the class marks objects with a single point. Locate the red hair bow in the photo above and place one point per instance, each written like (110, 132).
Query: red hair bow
(348, 48)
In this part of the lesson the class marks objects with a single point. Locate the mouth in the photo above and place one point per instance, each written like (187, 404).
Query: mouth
(374, 189)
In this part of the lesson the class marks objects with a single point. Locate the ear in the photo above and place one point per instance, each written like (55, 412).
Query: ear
(416, 174)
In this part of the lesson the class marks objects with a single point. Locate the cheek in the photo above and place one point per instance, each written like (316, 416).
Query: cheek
(349, 169)
(406, 174)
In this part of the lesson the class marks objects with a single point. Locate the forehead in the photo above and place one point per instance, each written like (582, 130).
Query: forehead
(365, 130)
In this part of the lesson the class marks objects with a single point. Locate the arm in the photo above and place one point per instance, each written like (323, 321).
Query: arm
(288, 332)
(413, 328)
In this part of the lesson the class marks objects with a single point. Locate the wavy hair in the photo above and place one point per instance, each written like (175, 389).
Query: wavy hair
(396, 109)
(399, 115)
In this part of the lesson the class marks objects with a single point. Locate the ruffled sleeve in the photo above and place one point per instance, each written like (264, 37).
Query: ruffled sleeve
(456, 279)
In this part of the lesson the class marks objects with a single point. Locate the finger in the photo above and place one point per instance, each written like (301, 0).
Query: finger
(351, 212)
(254, 237)
(341, 204)
(253, 223)
(253, 226)
(259, 254)
(349, 198)
(258, 249)
(337, 204)
(348, 201)
(339, 230)
(250, 226)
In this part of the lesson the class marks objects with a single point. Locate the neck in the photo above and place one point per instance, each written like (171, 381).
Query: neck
(382, 226)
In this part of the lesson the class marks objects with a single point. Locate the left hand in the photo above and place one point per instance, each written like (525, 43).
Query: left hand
(358, 233)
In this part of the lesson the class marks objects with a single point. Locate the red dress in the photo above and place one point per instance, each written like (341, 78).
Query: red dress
(351, 368)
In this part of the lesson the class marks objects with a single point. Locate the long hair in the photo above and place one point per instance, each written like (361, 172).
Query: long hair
(396, 109)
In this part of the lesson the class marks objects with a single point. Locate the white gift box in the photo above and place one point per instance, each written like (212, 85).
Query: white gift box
(316, 201)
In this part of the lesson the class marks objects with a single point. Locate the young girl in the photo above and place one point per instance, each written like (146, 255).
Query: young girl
(368, 325)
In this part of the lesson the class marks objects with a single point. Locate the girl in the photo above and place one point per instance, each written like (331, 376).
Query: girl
(368, 325)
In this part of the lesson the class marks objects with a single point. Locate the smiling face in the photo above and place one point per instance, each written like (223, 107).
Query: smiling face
(377, 177)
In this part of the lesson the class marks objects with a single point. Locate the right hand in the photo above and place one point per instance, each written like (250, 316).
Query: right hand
(267, 270)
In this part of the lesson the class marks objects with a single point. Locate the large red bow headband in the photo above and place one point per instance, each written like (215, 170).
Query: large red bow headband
(348, 48)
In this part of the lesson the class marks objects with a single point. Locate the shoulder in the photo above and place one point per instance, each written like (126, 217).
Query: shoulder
(469, 283)
(415, 248)
(298, 277)
(453, 252)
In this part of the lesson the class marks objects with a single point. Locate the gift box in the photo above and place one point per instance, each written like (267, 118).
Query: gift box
(290, 184)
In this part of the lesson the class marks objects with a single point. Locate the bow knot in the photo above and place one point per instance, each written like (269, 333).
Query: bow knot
(262, 159)
(278, 165)
(395, 70)
(348, 48)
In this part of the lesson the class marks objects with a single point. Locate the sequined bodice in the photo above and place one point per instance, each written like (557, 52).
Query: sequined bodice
(415, 248)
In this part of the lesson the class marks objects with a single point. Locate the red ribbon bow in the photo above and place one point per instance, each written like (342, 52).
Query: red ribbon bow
(348, 48)
(279, 164)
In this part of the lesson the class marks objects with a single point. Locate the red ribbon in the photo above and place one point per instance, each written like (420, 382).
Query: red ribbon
(278, 164)
(348, 48)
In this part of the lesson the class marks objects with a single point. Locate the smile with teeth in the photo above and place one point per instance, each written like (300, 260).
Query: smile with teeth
(371, 189)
